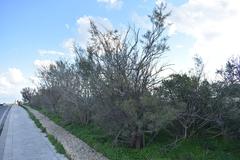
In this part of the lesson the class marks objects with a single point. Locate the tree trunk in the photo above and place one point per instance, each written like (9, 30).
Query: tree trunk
(137, 140)
(185, 132)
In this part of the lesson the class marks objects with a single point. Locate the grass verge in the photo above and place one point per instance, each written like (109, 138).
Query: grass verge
(57, 145)
(192, 149)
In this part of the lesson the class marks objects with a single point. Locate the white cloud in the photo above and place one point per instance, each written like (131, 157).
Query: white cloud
(215, 27)
(43, 52)
(83, 29)
(11, 83)
(43, 63)
(84, 26)
(69, 45)
(4, 82)
(15, 76)
(179, 46)
(67, 26)
(112, 3)
(12, 77)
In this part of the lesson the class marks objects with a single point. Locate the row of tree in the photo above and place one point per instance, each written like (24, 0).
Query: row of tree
(116, 83)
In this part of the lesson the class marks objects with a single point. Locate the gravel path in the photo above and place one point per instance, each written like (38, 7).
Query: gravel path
(75, 148)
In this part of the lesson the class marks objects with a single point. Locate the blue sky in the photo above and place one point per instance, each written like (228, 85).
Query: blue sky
(34, 33)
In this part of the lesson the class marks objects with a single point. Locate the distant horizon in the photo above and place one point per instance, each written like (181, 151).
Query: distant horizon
(35, 34)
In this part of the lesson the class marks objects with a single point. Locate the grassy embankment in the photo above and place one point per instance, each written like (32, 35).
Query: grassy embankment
(191, 149)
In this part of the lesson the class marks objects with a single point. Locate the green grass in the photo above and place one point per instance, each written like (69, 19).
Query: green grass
(57, 145)
(36, 121)
(191, 149)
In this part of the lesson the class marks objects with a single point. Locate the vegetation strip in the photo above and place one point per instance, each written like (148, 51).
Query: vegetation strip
(57, 145)
(198, 148)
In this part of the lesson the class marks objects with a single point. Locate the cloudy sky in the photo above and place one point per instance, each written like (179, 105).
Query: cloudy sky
(35, 33)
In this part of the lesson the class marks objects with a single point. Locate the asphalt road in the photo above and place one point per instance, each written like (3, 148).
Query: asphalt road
(3, 112)
(23, 140)
(3, 108)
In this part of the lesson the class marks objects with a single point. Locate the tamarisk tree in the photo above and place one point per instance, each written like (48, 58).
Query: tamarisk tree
(122, 71)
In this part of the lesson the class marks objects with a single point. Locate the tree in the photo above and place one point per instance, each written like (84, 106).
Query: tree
(122, 72)
(231, 72)
(27, 94)
(227, 99)
(191, 94)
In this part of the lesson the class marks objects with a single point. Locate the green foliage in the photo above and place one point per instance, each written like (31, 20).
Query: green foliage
(194, 148)
(231, 72)
(192, 97)
(58, 146)
(27, 94)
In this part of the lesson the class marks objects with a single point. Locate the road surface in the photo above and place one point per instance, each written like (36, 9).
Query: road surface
(3, 115)
(23, 140)
(2, 109)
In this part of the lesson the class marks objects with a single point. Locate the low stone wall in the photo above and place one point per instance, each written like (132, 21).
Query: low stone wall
(75, 148)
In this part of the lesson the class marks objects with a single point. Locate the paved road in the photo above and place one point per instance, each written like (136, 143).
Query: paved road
(23, 140)
(3, 115)
(2, 110)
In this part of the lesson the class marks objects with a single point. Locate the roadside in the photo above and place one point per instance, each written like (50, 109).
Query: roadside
(194, 148)
(23, 140)
(75, 148)
(4, 110)
(58, 146)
